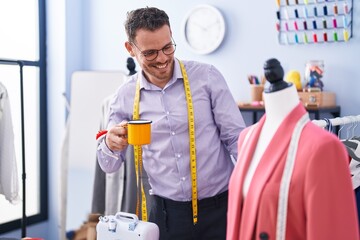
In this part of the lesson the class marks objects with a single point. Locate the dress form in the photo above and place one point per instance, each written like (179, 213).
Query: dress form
(280, 98)
(130, 64)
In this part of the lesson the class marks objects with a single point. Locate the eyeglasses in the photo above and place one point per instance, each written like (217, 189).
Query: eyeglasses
(153, 53)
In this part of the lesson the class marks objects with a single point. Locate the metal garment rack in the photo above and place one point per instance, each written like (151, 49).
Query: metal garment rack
(21, 65)
(338, 121)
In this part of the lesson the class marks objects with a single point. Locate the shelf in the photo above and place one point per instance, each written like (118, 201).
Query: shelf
(257, 111)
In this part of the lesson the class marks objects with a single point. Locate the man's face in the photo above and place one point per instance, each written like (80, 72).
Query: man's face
(153, 50)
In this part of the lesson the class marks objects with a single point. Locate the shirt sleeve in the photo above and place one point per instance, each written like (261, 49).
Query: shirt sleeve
(109, 161)
(226, 112)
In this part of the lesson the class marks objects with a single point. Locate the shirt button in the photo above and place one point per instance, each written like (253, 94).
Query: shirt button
(167, 113)
(173, 133)
(183, 179)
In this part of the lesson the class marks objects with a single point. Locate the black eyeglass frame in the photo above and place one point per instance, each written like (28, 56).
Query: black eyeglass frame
(156, 51)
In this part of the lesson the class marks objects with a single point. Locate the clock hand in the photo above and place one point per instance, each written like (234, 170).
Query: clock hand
(212, 24)
(199, 25)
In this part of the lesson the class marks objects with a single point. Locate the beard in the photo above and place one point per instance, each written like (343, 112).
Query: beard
(159, 73)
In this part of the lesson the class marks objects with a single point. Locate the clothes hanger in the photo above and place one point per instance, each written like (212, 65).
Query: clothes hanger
(329, 126)
(353, 148)
(342, 126)
(356, 138)
(352, 144)
(353, 130)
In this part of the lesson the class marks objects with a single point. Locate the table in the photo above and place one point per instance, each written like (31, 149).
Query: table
(258, 111)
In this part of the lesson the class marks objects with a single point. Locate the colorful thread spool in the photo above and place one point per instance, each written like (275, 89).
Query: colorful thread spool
(324, 23)
(314, 24)
(335, 9)
(334, 23)
(296, 26)
(335, 36)
(315, 38)
(296, 38)
(315, 12)
(305, 25)
(305, 38)
(346, 35)
(345, 21)
(325, 10)
(346, 8)
(305, 12)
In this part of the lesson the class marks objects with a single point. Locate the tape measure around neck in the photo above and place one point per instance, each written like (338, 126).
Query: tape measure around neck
(192, 146)
(138, 160)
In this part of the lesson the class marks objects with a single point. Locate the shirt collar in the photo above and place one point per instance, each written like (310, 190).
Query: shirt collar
(144, 84)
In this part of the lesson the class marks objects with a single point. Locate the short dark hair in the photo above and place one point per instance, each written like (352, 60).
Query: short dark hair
(149, 18)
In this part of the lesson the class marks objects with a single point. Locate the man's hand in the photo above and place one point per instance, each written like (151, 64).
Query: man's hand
(116, 137)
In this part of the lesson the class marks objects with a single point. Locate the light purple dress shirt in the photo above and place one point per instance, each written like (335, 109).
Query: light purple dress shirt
(166, 159)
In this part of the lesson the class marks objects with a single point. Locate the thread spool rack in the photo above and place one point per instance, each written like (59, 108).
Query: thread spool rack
(314, 21)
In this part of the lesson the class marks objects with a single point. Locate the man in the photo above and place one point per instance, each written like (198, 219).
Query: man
(194, 131)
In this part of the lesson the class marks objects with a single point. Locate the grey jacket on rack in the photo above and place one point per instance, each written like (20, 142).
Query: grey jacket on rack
(114, 192)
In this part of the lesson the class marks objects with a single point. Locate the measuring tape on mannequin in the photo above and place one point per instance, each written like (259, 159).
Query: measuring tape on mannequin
(192, 147)
(286, 177)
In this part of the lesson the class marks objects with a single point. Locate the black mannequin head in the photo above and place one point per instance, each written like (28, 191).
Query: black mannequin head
(131, 66)
(274, 74)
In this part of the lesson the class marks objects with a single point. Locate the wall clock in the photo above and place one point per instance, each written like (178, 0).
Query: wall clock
(204, 28)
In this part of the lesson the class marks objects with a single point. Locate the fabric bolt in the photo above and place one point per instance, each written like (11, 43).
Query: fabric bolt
(166, 159)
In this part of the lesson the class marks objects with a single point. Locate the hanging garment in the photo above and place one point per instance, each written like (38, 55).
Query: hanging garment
(108, 189)
(355, 178)
(353, 148)
(355, 173)
(63, 176)
(116, 192)
(321, 203)
(9, 182)
(99, 185)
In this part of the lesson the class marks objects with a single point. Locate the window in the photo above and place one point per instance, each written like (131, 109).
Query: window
(23, 73)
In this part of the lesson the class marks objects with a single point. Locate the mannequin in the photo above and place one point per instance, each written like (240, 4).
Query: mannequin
(319, 201)
(130, 64)
(278, 93)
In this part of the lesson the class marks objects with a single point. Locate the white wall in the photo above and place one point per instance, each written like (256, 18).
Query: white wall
(250, 40)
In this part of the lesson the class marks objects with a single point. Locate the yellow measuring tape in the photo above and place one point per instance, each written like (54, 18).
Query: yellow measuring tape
(192, 146)
(138, 161)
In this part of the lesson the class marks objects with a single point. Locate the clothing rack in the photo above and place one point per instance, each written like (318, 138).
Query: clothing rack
(338, 121)
(21, 65)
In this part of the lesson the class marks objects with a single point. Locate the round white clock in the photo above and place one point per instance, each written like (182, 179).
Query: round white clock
(204, 28)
